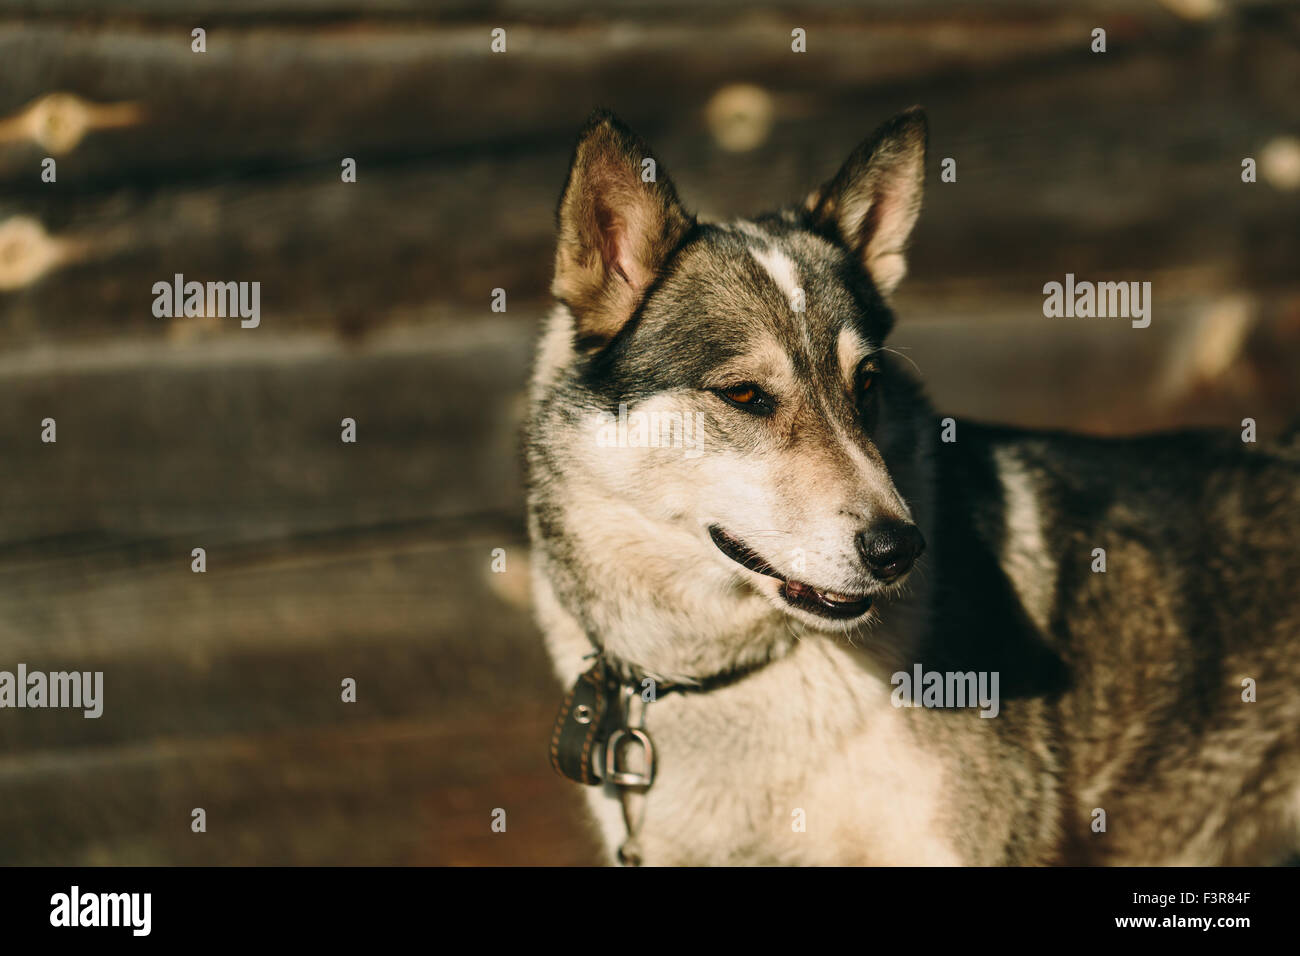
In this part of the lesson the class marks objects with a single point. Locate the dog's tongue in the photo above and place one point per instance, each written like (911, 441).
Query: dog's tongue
(827, 603)
(797, 589)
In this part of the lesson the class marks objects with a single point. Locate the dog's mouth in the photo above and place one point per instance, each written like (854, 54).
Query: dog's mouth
(797, 594)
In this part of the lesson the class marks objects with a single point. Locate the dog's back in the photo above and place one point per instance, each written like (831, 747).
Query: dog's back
(1162, 571)
(1160, 576)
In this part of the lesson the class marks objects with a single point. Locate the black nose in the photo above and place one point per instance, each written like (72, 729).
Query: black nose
(890, 549)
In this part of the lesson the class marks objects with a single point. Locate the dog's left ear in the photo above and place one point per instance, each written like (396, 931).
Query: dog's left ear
(619, 220)
(872, 203)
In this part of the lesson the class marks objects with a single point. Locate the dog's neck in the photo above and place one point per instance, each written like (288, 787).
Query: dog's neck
(675, 616)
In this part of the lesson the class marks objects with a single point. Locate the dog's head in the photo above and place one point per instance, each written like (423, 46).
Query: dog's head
(740, 367)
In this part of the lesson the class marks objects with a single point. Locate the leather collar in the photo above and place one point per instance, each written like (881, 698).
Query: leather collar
(603, 713)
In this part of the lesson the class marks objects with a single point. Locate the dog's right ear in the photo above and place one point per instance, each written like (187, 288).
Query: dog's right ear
(619, 219)
(872, 203)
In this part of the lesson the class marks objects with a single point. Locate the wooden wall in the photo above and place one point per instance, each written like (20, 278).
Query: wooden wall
(371, 560)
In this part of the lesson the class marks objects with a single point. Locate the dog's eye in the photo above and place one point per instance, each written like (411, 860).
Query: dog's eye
(866, 378)
(749, 397)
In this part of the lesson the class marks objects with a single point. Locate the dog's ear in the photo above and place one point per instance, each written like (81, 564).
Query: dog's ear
(618, 221)
(872, 203)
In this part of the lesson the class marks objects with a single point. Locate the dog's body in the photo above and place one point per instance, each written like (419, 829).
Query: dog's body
(1123, 690)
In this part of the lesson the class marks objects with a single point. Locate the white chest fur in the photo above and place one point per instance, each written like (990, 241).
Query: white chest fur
(803, 762)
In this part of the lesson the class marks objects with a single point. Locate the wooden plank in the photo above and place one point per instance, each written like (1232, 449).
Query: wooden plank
(1095, 166)
(263, 638)
(388, 793)
(183, 443)
(271, 97)
(222, 691)
(267, 634)
(531, 10)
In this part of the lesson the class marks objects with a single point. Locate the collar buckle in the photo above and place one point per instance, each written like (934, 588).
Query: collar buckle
(625, 777)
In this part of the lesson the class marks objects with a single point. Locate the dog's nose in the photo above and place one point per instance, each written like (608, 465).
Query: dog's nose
(890, 549)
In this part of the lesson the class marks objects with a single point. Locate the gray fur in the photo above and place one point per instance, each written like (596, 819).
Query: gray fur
(1121, 691)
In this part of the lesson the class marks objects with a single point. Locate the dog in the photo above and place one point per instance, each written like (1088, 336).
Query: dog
(762, 624)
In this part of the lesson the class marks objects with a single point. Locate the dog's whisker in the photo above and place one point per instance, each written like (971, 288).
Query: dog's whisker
(902, 356)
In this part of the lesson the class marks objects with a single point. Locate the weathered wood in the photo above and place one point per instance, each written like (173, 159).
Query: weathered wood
(181, 441)
(278, 97)
(380, 793)
(1090, 166)
(564, 9)
(222, 691)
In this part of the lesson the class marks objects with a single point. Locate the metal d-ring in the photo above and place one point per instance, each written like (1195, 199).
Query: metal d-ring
(629, 778)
